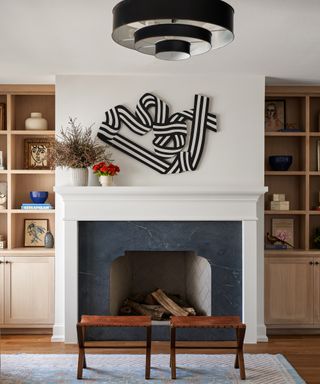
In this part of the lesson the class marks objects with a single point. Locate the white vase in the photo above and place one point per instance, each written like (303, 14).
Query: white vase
(79, 177)
(36, 122)
(106, 181)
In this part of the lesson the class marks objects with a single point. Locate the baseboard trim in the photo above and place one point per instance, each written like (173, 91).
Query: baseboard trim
(262, 333)
(26, 331)
(58, 333)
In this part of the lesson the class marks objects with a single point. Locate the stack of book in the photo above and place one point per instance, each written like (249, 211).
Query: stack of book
(36, 206)
(279, 202)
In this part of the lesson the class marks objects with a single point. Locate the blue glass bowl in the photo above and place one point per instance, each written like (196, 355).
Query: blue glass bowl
(280, 162)
(38, 197)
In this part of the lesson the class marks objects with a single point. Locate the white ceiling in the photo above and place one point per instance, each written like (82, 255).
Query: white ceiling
(279, 39)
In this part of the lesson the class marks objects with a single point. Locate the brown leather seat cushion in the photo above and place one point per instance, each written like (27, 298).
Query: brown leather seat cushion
(115, 321)
(206, 322)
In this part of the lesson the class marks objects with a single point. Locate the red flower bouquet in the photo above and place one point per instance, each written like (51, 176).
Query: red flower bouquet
(106, 169)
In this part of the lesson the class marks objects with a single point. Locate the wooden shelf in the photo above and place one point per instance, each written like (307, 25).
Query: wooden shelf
(32, 251)
(286, 134)
(290, 212)
(32, 172)
(289, 252)
(285, 173)
(33, 132)
(35, 211)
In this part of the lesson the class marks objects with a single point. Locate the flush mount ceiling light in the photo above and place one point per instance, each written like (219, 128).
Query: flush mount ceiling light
(173, 29)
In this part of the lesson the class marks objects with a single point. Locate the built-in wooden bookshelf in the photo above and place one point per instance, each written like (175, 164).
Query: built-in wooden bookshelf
(26, 273)
(292, 276)
(20, 101)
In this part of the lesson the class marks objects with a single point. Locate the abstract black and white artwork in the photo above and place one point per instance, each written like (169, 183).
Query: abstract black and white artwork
(178, 139)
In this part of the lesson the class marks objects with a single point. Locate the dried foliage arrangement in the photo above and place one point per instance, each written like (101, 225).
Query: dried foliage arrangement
(75, 147)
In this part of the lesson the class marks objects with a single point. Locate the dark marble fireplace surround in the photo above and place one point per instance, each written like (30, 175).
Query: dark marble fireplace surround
(100, 243)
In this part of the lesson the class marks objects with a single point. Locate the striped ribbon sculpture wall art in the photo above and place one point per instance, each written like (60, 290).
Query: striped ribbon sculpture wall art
(171, 155)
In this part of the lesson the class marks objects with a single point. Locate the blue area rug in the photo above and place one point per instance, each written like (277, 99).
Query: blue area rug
(195, 369)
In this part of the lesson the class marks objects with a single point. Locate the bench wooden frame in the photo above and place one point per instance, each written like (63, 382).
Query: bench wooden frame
(213, 322)
(112, 321)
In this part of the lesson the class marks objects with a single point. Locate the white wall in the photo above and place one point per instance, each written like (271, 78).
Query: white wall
(233, 156)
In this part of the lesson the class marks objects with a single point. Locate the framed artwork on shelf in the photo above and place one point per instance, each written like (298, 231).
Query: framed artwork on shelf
(34, 232)
(36, 153)
(2, 116)
(275, 115)
(284, 230)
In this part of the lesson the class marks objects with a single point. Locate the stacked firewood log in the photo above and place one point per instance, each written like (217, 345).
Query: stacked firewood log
(158, 305)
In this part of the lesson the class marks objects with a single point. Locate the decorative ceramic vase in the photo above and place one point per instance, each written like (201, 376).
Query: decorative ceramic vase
(36, 122)
(79, 177)
(48, 240)
(106, 181)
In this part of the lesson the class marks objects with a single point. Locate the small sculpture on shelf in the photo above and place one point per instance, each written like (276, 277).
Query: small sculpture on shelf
(317, 208)
(316, 238)
(3, 243)
(275, 241)
(279, 202)
(2, 167)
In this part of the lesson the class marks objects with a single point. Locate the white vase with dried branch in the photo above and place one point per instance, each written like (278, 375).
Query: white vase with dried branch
(75, 149)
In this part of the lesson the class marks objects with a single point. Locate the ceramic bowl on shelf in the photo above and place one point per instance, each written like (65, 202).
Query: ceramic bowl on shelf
(38, 197)
(280, 162)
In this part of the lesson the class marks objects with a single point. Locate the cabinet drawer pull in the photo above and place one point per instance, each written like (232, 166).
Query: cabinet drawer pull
(317, 263)
(8, 262)
(1, 262)
(311, 262)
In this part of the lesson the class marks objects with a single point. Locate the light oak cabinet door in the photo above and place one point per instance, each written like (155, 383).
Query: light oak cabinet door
(29, 290)
(289, 291)
(2, 289)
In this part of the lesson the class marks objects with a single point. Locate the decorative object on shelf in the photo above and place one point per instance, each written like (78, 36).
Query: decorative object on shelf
(275, 115)
(48, 240)
(290, 127)
(284, 230)
(34, 232)
(2, 116)
(106, 172)
(3, 242)
(28, 206)
(39, 197)
(280, 162)
(1, 161)
(317, 208)
(37, 153)
(173, 30)
(36, 206)
(279, 203)
(170, 133)
(3, 195)
(316, 238)
(274, 242)
(75, 149)
(36, 122)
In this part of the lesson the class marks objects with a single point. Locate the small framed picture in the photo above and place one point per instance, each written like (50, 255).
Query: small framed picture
(284, 230)
(275, 115)
(2, 116)
(36, 153)
(34, 232)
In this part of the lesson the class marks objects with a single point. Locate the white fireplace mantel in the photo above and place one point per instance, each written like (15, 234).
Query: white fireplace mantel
(228, 203)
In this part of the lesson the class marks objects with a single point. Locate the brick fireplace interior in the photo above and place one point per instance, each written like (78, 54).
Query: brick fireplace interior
(199, 260)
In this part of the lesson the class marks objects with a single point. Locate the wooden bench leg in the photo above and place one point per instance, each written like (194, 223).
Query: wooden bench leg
(173, 353)
(82, 356)
(239, 357)
(148, 353)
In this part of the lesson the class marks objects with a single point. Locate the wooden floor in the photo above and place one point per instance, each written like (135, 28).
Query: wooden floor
(303, 352)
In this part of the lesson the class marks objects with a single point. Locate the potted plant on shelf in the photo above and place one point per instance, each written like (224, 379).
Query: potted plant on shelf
(74, 148)
(106, 171)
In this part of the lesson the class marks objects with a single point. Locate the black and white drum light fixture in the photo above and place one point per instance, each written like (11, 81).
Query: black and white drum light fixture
(173, 29)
